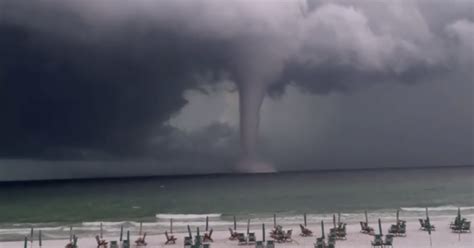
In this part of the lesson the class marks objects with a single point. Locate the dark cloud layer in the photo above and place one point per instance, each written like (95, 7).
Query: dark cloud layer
(99, 79)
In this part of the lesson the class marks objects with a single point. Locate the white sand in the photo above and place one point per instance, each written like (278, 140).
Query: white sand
(441, 238)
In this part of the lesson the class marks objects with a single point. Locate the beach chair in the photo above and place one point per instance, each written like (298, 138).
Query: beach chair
(378, 242)
(233, 235)
(206, 246)
(241, 238)
(252, 238)
(388, 242)
(101, 243)
(365, 228)
(331, 244)
(270, 244)
(170, 239)
(125, 244)
(287, 236)
(188, 241)
(259, 244)
(114, 244)
(466, 226)
(319, 243)
(141, 241)
(422, 224)
(208, 237)
(305, 232)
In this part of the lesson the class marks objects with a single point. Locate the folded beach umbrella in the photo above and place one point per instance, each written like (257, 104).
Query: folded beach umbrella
(121, 233)
(366, 218)
(334, 220)
(380, 227)
(398, 216)
(40, 239)
(26, 242)
(70, 233)
(74, 241)
(128, 237)
(263, 232)
(197, 231)
(101, 230)
(274, 220)
(171, 225)
(207, 223)
(428, 226)
(235, 223)
(140, 230)
(248, 226)
(338, 217)
(459, 213)
(322, 229)
(189, 232)
(304, 216)
(31, 236)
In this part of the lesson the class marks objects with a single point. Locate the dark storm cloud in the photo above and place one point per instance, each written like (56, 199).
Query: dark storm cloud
(101, 77)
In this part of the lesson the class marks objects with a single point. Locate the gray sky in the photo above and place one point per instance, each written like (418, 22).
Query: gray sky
(349, 84)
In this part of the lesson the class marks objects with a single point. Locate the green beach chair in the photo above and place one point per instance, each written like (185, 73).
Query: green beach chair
(242, 239)
(377, 242)
(259, 244)
(252, 238)
(114, 244)
(206, 245)
(126, 244)
(188, 241)
(388, 241)
(270, 244)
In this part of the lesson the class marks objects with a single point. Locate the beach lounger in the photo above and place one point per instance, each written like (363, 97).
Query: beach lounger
(466, 226)
(208, 237)
(125, 244)
(101, 243)
(378, 242)
(170, 239)
(233, 235)
(259, 244)
(188, 241)
(242, 239)
(388, 242)
(270, 244)
(252, 238)
(319, 243)
(141, 241)
(114, 244)
(206, 246)
(305, 232)
(365, 228)
(287, 236)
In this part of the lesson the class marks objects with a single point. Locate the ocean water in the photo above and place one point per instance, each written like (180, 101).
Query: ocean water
(55, 206)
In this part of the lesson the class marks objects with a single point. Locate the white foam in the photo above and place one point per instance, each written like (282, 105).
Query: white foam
(440, 208)
(187, 216)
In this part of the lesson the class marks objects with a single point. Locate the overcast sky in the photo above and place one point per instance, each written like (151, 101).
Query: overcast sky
(349, 84)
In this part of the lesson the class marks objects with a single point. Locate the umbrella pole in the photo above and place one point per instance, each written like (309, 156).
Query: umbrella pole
(263, 232)
(304, 219)
(31, 236)
(101, 230)
(121, 233)
(40, 238)
(274, 220)
(366, 218)
(171, 225)
(235, 223)
(207, 223)
(70, 234)
(140, 231)
(248, 227)
(380, 227)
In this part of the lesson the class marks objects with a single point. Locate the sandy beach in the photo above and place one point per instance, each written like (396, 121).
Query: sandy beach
(441, 238)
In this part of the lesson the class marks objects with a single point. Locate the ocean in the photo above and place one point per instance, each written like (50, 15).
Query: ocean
(54, 206)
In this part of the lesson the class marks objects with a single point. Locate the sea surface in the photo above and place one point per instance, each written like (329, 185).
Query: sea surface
(55, 206)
